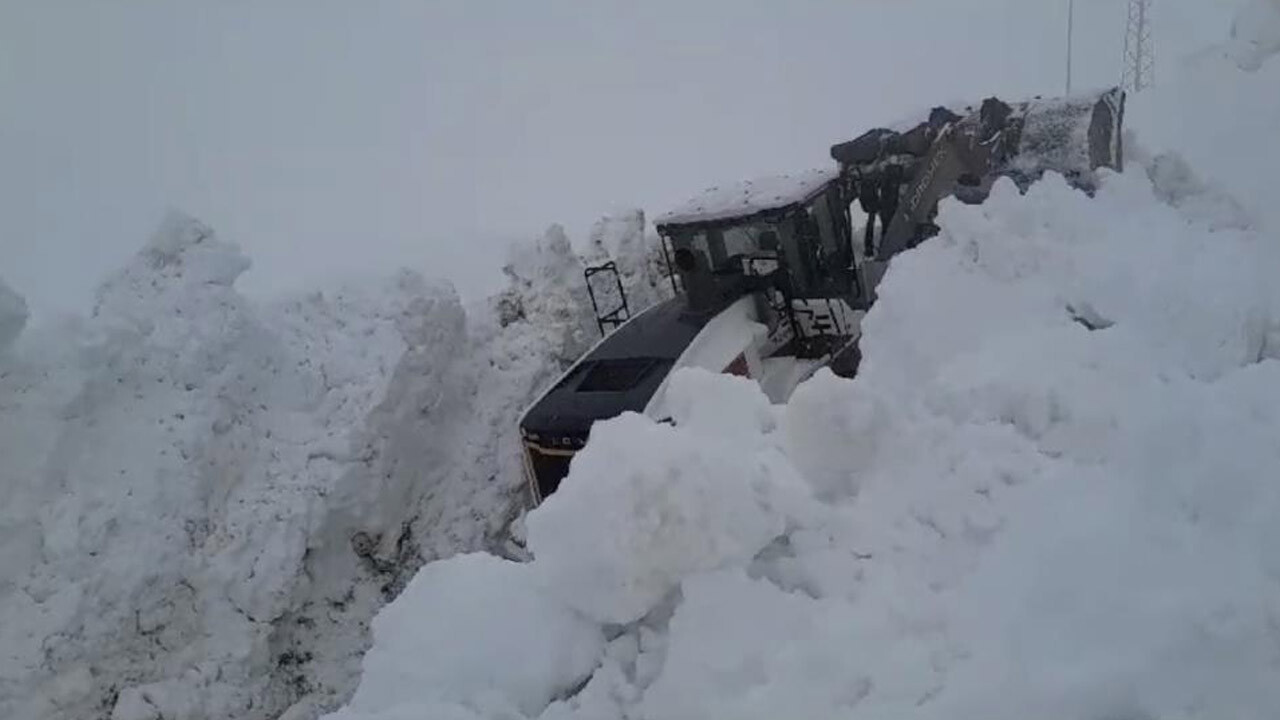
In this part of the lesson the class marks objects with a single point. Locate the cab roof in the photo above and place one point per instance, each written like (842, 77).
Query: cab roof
(724, 203)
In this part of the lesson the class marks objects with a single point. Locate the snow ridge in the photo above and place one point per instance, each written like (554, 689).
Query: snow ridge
(207, 500)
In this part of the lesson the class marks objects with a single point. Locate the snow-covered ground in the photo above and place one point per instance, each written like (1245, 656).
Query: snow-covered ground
(206, 500)
(1050, 492)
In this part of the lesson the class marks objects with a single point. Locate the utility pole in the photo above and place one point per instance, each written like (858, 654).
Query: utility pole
(1071, 24)
(1139, 53)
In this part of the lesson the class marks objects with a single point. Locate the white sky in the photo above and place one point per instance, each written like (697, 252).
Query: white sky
(336, 137)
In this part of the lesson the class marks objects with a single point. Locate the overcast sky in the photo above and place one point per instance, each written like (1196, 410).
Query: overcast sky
(337, 137)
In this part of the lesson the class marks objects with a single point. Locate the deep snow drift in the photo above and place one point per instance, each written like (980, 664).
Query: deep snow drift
(1050, 492)
(1219, 111)
(206, 500)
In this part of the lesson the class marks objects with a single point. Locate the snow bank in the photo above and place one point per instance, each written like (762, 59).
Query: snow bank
(1128, 439)
(1049, 493)
(545, 649)
(192, 451)
(207, 500)
(622, 238)
(661, 503)
(546, 287)
(1220, 120)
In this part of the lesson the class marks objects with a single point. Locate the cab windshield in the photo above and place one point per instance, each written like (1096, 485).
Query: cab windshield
(812, 241)
(722, 249)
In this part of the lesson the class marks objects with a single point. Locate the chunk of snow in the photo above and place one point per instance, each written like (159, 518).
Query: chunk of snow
(425, 653)
(659, 503)
(745, 648)
(833, 432)
(546, 289)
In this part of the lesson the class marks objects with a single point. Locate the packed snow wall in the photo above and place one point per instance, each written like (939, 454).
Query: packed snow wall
(206, 499)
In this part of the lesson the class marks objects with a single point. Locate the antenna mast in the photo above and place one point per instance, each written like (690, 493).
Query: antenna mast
(1139, 53)
(1071, 26)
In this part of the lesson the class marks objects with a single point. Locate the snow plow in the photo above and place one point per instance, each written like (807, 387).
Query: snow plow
(769, 278)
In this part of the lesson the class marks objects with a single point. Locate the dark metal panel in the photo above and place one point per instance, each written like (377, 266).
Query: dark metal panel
(643, 351)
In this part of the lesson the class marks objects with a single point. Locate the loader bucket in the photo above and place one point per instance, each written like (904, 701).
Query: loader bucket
(961, 152)
(1073, 136)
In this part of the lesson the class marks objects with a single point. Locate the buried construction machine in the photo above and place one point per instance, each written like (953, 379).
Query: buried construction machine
(770, 279)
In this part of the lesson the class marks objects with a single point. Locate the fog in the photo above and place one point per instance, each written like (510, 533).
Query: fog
(331, 138)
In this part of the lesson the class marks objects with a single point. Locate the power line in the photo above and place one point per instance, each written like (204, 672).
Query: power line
(1139, 50)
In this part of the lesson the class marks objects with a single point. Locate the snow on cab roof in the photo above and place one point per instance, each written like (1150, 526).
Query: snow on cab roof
(750, 197)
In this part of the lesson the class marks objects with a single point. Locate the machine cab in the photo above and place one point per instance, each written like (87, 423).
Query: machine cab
(765, 286)
(793, 229)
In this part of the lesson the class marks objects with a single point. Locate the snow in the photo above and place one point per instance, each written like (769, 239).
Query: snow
(1049, 492)
(545, 648)
(907, 122)
(207, 499)
(189, 431)
(1219, 116)
(1255, 34)
(749, 197)
(660, 503)
(622, 238)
